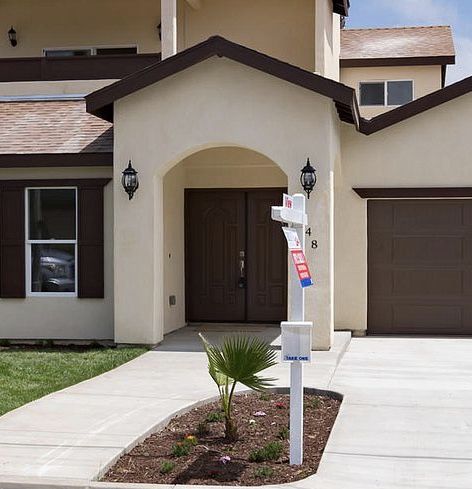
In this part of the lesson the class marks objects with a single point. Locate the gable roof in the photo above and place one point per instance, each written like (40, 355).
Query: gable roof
(416, 107)
(100, 103)
(397, 46)
(53, 133)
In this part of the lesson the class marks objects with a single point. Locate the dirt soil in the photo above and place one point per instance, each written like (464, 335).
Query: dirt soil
(261, 419)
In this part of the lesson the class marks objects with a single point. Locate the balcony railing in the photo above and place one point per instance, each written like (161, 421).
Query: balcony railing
(74, 68)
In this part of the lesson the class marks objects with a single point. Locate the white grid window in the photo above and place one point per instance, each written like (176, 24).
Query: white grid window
(51, 241)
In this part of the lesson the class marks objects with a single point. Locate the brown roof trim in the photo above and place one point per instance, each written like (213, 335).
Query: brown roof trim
(406, 61)
(63, 182)
(38, 160)
(100, 103)
(416, 107)
(413, 193)
(341, 7)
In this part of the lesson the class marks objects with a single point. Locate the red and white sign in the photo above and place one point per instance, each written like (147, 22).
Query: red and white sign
(301, 266)
(292, 238)
(288, 201)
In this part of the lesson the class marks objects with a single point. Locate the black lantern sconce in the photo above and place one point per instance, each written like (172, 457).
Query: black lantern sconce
(308, 178)
(130, 181)
(12, 37)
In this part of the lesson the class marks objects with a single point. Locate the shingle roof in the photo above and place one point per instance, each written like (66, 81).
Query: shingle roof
(398, 43)
(37, 127)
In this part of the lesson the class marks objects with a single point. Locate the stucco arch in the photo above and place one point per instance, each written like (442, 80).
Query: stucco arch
(215, 103)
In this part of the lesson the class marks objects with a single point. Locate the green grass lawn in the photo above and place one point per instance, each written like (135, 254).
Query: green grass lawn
(28, 374)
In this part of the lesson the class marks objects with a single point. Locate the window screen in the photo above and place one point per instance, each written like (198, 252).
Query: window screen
(372, 93)
(399, 92)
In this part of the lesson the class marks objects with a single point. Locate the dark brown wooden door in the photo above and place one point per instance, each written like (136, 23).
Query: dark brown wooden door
(420, 267)
(266, 259)
(226, 229)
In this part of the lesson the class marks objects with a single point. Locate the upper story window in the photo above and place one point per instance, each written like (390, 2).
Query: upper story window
(100, 51)
(51, 241)
(386, 93)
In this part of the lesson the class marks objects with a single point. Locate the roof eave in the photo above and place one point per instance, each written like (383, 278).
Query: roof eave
(397, 61)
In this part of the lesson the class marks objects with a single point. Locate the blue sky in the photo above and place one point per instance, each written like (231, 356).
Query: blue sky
(394, 13)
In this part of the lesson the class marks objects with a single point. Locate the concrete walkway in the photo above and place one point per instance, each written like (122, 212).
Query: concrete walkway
(405, 421)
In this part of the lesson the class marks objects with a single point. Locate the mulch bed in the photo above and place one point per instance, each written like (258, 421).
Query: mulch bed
(150, 461)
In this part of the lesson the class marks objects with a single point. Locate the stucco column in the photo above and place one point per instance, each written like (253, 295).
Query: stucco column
(319, 299)
(168, 28)
(137, 259)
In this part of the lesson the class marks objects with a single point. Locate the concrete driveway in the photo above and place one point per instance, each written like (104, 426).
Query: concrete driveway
(406, 420)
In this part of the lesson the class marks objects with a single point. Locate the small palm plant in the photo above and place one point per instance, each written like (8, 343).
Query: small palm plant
(239, 359)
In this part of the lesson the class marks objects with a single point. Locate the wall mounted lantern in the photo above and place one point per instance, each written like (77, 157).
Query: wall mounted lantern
(308, 178)
(130, 181)
(12, 36)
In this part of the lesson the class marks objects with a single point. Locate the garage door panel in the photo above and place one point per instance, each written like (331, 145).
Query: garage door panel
(420, 267)
(426, 283)
(426, 249)
(416, 216)
(424, 319)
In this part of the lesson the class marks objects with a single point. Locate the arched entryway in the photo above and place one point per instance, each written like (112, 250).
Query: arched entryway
(224, 258)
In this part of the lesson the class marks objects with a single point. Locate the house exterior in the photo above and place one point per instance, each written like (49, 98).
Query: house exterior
(218, 104)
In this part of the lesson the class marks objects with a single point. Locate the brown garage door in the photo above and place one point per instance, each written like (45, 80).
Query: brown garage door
(420, 267)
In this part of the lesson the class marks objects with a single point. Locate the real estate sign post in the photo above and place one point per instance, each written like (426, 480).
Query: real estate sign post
(296, 332)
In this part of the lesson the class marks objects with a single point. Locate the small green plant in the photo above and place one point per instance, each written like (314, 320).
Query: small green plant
(284, 433)
(181, 449)
(239, 359)
(202, 428)
(264, 396)
(4, 343)
(272, 451)
(166, 467)
(313, 403)
(263, 472)
(215, 417)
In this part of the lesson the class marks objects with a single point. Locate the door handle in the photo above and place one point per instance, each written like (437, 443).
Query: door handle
(242, 270)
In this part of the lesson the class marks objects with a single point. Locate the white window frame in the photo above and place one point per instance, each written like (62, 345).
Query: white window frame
(30, 242)
(92, 49)
(385, 83)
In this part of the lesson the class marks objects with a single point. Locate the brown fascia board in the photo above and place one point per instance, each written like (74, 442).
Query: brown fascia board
(100, 103)
(371, 126)
(341, 7)
(406, 61)
(413, 192)
(43, 160)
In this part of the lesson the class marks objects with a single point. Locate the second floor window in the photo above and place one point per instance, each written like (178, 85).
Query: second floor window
(104, 51)
(386, 93)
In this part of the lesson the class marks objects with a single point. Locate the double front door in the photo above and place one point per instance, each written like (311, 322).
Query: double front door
(236, 258)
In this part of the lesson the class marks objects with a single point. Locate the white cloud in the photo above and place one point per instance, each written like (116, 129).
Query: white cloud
(423, 12)
(463, 66)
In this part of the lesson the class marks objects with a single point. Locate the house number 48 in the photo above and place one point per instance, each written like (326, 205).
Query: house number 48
(314, 242)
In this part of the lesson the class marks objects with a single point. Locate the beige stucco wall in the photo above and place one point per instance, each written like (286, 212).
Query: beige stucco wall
(216, 103)
(63, 317)
(78, 87)
(426, 79)
(212, 168)
(285, 30)
(70, 23)
(327, 40)
(429, 150)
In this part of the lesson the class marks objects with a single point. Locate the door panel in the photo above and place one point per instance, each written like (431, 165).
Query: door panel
(219, 225)
(420, 267)
(267, 259)
(215, 234)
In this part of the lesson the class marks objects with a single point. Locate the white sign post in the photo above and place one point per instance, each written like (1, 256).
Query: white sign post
(296, 332)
